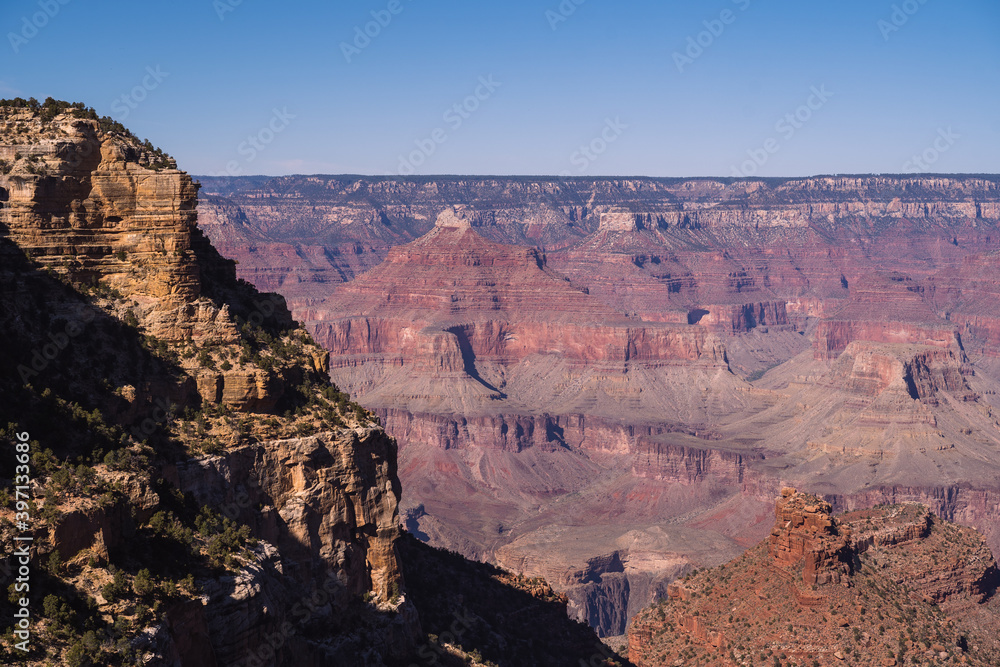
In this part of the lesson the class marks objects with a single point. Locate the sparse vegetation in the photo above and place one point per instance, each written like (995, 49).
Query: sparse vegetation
(108, 408)
(49, 109)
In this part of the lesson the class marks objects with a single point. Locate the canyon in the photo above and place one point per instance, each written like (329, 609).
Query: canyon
(605, 382)
(589, 389)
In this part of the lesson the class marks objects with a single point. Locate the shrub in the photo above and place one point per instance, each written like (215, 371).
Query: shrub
(143, 615)
(115, 590)
(205, 360)
(167, 525)
(57, 611)
(143, 583)
(189, 584)
(54, 563)
(76, 655)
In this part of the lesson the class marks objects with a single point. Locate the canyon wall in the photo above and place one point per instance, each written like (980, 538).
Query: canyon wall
(584, 372)
(735, 248)
(186, 428)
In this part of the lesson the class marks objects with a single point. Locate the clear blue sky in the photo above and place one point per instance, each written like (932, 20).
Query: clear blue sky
(608, 69)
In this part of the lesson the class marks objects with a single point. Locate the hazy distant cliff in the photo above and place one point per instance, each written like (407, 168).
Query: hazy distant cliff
(743, 252)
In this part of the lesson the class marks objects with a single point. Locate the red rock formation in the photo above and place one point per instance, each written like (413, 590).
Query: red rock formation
(660, 459)
(900, 568)
(920, 371)
(969, 295)
(806, 536)
(455, 307)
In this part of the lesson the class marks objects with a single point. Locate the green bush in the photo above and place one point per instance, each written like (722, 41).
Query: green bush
(54, 563)
(205, 360)
(76, 655)
(115, 590)
(165, 524)
(143, 583)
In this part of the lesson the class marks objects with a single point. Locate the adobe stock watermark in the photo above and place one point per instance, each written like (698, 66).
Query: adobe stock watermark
(587, 154)
(257, 142)
(22, 519)
(454, 117)
(223, 7)
(122, 106)
(562, 13)
(786, 127)
(945, 139)
(698, 44)
(899, 17)
(31, 25)
(363, 35)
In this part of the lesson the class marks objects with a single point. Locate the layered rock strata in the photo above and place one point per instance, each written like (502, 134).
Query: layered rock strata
(749, 253)
(866, 300)
(199, 477)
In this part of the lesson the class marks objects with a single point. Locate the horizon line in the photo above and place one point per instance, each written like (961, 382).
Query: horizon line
(556, 177)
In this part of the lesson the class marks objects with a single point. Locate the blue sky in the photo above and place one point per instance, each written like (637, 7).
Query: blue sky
(664, 88)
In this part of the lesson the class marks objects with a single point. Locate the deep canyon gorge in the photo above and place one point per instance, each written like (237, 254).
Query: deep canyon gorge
(606, 382)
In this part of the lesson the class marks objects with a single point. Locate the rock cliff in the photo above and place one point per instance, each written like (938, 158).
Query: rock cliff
(805, 537)
(201, 494)
(175, 365)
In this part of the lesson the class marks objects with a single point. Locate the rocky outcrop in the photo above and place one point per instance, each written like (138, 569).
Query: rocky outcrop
(805, 537)
(91, 208)
(328, 504)
(966, 573)
(918, 372)
(961, 504)
(89, 205)
(899, 568)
